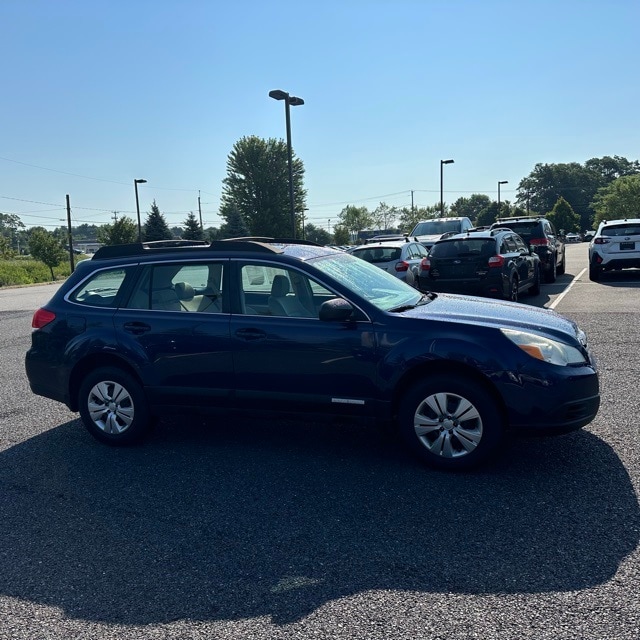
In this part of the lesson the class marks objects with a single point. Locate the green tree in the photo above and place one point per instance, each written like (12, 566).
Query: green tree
(155, 226)
(6, 252)
(317, 234)
(408, 218)
(192, 229)
(235, 226)
(257, 187)
(470, 207)
(45, 247)
(355, 219)
(611, 168)
(564, 217)
(341, 235)
(122, 231)
(488, 215)
(620, 199)
(383, 217)
(576, 183)
(11, 228)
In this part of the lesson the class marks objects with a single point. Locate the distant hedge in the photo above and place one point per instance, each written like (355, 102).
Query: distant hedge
(25, 270)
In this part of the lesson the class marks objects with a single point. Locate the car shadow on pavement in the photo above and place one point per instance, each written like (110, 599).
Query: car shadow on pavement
(270, 518)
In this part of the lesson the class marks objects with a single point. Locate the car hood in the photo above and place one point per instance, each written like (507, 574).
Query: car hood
(497, 314)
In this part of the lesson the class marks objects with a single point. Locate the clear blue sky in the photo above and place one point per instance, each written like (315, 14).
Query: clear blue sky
(96, 93)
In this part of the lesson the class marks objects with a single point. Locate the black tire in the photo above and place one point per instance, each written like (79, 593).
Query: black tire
(594, 272)
(431, 426)
(513, 289)
(113, 407)
(534, 289)
(563, 265)
(551, 274)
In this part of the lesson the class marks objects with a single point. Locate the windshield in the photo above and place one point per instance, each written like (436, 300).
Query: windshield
(368, 281)
(436, 227)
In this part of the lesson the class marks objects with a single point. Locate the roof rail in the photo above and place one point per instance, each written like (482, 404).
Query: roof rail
(512, 218)
(269, 240)
(136, 248)
(167, 246)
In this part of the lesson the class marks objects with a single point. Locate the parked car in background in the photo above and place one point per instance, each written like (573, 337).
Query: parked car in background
(428, 231)
(615, 246)
(572, 237)
(281, 326)
(494, 263)
(587, 236)
(400, 258)
(539, 233)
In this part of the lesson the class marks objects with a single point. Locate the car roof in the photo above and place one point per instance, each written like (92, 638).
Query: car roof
(170, 249)
(620, 221)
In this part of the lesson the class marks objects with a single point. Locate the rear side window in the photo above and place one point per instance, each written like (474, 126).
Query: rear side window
(191, 288)
(101, 289)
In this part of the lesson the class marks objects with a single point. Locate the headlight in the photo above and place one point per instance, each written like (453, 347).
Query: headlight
(545, 349)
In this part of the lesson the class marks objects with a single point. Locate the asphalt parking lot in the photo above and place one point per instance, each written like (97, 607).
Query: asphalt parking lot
(254, 528)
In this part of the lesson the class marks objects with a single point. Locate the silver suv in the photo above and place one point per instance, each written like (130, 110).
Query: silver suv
(616, 245)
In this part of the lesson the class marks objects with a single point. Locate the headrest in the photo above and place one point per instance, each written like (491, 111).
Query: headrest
(184, 290)
(280, 286)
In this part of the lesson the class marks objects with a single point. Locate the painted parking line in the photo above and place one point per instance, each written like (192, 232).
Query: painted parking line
(556, 302)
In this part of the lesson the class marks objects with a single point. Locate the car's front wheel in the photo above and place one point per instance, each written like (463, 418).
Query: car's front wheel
(450, 422)
(113, 406)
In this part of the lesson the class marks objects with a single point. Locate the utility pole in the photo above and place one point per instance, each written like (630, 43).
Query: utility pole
(412, 211)
(69, 238)
(200, 211)
(115, 216)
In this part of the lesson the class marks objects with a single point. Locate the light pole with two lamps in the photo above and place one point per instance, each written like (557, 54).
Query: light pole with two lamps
(442, 163)
(499, 183)
(289, 101)
(135, 186)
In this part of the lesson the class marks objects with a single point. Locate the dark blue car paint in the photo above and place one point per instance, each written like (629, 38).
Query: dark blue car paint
(352, 368)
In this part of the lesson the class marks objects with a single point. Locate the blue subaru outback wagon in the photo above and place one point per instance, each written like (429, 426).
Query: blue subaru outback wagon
(283, 325)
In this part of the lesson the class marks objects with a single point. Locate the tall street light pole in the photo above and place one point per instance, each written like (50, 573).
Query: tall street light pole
(135, 186)
(289, 101)
(442, 163)
(499, 183)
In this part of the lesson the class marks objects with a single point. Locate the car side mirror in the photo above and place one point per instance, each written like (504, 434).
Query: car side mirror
(335, 310)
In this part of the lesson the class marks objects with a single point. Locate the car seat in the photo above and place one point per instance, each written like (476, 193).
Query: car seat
(163, 294)
(281, 304)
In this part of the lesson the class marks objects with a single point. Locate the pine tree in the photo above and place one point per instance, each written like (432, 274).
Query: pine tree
(192, 230)
(156, 227)
(235, 226)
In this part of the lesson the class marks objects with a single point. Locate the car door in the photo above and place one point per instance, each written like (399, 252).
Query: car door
(524, 261)
(299, 362)
(174, 329)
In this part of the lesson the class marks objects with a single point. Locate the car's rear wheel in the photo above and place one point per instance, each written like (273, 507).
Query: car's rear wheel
(113, 406)
(563, 264)
(551, 274)
(594, 272)
(450, 422)
(534, 289)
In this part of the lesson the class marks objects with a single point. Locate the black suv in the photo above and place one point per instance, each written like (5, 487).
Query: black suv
(493, 263)
(275, 325)
(539, 233)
